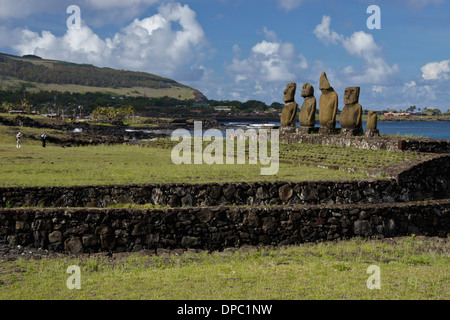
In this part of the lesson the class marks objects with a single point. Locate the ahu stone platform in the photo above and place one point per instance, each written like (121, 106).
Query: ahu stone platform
(335, 137)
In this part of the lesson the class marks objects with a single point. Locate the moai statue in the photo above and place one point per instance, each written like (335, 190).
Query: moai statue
(372, 122)
(351, 115)
(328, 105)
(290, 109)
(307, 115)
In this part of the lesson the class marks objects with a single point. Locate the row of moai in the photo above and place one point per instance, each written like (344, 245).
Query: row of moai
(350, 117)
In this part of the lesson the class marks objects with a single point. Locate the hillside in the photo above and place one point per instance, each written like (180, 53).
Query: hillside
(38, 74)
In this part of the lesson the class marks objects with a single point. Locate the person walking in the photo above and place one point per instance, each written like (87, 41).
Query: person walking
(44, 139)
(19, 140)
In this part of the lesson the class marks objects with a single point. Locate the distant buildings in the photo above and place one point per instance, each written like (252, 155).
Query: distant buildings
(222, 109)
(398, 114)
(16, 112)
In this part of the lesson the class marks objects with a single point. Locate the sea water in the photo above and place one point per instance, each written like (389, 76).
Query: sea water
(433, 130)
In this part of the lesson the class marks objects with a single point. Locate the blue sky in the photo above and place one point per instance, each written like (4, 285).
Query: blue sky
(248, 49)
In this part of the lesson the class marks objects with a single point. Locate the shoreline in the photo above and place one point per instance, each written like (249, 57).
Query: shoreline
(259, 119)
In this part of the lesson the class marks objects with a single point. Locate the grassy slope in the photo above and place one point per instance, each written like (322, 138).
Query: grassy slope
(181, 93)
(174, 89)
(411, 268)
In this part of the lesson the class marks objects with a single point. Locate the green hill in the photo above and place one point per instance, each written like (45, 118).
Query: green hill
(37, 74)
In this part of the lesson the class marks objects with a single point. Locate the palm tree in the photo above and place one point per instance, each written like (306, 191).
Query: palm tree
(130, 112)
(25, 105)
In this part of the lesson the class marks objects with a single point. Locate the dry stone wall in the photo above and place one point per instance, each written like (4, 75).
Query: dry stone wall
(203, 195)
(117, 230)
(297, 135)
(427, 180)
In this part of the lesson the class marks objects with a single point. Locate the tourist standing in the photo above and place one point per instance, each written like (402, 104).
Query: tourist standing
(44, 139)
(19, 140)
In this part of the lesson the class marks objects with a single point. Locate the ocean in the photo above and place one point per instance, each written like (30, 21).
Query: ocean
(433, 130)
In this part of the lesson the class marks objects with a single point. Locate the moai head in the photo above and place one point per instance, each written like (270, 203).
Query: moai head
(324, 83)
(307, 90)
(351, 95)
(289, 92)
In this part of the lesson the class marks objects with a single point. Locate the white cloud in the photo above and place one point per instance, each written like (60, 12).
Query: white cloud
(360, 44)
(410, 84)
(325, 34)
(264, 73)
(150, 44)
(419, 92)
(289, 5)
(348, 70)
(270, 35)
(266, 48)
(378, 89)
(436, 70)
(269, 62)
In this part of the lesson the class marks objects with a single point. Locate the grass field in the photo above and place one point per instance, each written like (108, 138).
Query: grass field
(410, 268)
(33, 165)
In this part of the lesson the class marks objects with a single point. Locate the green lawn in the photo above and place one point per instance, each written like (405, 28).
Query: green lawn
(410, 268)
(347, 157)
(33, 165)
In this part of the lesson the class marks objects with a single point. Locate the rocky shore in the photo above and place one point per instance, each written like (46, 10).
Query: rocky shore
(83, 133)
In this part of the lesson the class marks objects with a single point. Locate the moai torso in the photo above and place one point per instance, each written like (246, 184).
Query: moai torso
(328, 104)
(351, 115)
(307, 115)
(290, 109)
(372, 120)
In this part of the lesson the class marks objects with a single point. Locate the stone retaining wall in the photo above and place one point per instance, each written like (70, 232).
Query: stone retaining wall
(202, 195)
(116, 230)
(390, 143)
(427, 180)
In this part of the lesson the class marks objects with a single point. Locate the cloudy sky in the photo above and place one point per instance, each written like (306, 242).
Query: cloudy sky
(250, 49)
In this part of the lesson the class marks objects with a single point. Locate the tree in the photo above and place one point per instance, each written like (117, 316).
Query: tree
(277, 105)
(7, 106)
(254, 105)
(411, 109)
(111, 114)
(436, 111)
(25, 105)
(129, 112)
(98, 113)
